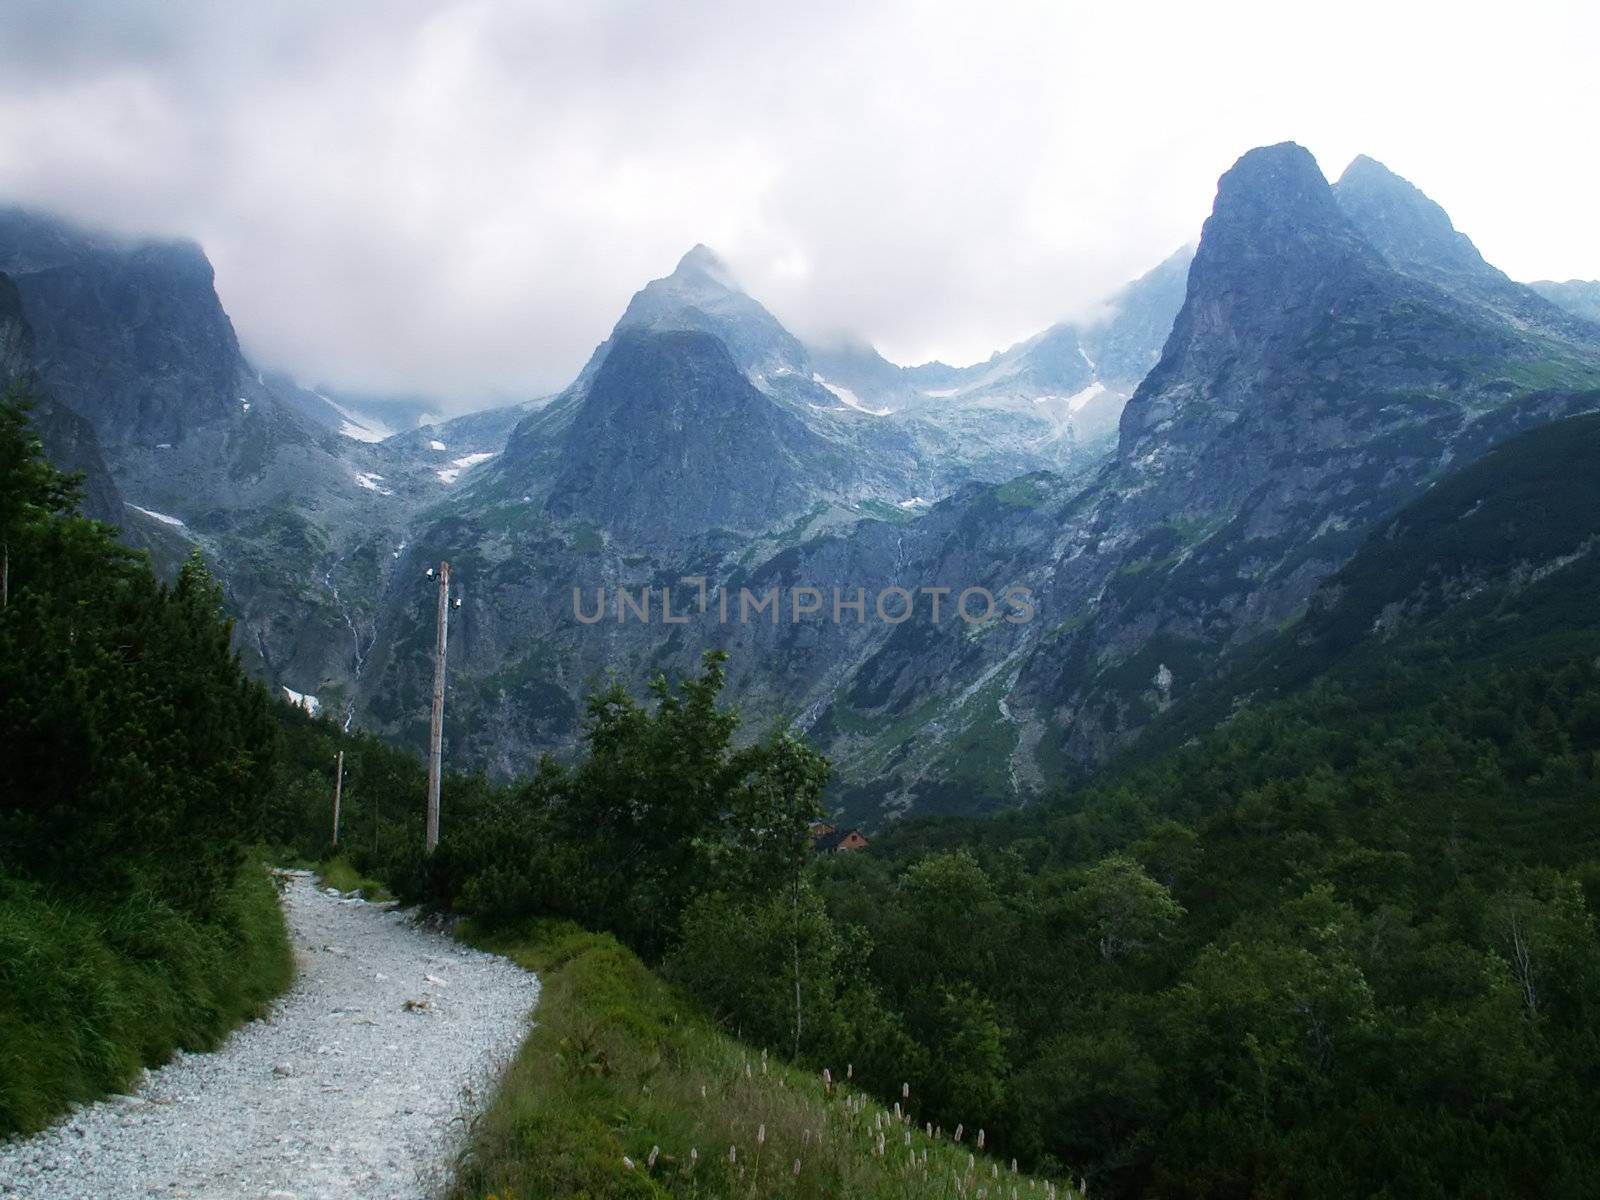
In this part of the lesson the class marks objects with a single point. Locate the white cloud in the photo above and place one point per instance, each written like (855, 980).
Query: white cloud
(458, 199)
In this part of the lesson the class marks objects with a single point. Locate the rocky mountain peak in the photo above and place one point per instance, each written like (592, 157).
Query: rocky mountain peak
(1408, 228)
(1271, 192)
(701, 294)
(672, 440)
(1416, 237)
(1277, 258)
(701, 262)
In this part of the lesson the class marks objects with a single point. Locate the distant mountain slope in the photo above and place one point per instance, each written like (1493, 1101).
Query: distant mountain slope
(1334, 352)
(1581, 297)
(1077, 375)
(1495, 566)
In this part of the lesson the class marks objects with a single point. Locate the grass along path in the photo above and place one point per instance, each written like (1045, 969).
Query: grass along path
(624, 1089)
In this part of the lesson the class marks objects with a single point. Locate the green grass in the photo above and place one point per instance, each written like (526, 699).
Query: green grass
(337, 873)
(624, 1088)
(89, 996)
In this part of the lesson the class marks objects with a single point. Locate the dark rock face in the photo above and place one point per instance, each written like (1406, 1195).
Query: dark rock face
(1128, 342)
(130, 335)
(672, 440)
(69, 441)
(16, 338)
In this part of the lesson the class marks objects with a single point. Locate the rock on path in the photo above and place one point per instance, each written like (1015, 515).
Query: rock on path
(358, 1083)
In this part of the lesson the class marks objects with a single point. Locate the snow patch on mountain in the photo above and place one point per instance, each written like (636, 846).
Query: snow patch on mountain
(466, 461)
(357, 427)
(303, 700)
(849, 398)
(1077, 400)
(150, 512)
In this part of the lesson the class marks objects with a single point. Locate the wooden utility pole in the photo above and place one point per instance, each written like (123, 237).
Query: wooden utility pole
(436, 729)
(338, 792)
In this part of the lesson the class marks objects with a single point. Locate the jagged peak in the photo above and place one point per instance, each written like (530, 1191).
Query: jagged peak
(1408, 227)
(1366, 174)
(701, 260)
(1280, 183)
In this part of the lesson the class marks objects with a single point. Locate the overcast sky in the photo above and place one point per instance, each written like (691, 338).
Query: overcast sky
(458, 198)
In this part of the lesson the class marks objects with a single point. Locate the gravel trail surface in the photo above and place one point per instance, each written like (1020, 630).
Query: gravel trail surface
(357, 1084)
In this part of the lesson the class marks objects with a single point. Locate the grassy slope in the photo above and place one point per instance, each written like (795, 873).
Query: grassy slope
(624, 1089)
(90, 996)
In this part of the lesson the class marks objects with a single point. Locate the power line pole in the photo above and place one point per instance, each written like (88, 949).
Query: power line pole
(338, 791)
(436, 729)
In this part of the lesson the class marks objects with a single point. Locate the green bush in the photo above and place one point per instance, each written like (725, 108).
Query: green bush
(90, 995)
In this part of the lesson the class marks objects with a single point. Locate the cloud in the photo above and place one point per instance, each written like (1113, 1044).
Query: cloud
(459, 198)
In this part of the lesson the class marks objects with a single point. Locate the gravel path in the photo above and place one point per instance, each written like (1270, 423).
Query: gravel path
(356, 1084)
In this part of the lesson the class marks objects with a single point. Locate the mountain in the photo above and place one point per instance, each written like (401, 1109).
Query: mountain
(1309, 387)
(881, 438)
(1581, 297)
